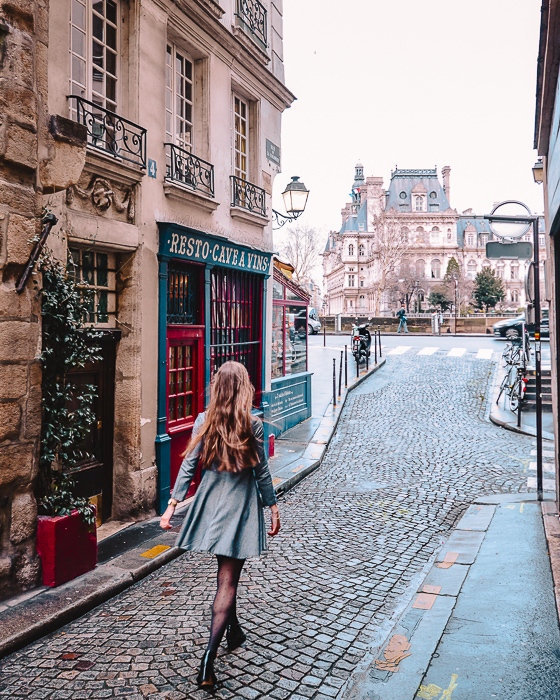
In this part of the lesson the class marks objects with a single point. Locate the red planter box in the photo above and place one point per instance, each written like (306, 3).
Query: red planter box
(67, 547)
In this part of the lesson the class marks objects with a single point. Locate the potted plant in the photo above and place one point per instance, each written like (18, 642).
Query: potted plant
(66, 535)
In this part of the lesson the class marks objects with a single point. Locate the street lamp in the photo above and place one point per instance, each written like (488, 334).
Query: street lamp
(295, 198)
(512, 220)
(538, 172)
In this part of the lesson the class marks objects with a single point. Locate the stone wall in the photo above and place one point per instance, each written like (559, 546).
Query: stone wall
(37, 153)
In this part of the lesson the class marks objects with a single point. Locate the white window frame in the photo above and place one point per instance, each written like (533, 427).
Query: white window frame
(84, 27)
(241, 132)
(174, 93)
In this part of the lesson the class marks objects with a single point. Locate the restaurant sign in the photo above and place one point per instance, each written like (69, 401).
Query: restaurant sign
(189, 244)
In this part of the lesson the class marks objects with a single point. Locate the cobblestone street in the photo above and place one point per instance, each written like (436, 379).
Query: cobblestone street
(411, 452)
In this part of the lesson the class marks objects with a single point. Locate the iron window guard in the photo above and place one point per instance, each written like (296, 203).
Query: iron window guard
(187, 169)
(245, 194)
(251, 16)
(111, 133)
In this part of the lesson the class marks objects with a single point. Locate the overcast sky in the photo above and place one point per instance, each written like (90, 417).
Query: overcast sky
(413, 84)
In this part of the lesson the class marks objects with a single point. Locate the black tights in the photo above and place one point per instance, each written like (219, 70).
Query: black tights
(224, 610)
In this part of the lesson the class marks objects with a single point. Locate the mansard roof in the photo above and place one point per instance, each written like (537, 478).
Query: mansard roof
(356, 222)
(406, 182)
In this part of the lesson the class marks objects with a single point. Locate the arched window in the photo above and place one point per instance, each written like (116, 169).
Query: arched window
(418, 204)
(436, 269)
(471, 269)
(515, 295)
(514, 271)
(435, 235)
(420, 266)
(351, 249)
(500, 271)
(361, 250)
(420, 234)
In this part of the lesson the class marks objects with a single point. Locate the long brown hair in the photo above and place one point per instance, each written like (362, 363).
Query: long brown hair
(227, 434)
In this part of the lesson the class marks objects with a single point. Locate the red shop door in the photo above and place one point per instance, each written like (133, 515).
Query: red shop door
(185, 390)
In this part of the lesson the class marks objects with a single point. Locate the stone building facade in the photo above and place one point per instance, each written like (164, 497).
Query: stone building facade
(396, 243)
(163, 211)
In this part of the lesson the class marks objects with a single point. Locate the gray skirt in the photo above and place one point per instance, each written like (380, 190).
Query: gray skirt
(226, 516)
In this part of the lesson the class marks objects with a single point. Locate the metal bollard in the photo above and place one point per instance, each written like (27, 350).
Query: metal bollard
(340, 375)
(357, 365)
(334, 382)
(367, 361)
(325, 332)
(345, 366)
(375, 345)
(379, 331)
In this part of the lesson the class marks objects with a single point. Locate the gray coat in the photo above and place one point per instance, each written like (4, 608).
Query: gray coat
(226, 516)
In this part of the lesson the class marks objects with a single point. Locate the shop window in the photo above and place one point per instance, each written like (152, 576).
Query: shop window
(277, 290)
(236, 321)
(96, 272)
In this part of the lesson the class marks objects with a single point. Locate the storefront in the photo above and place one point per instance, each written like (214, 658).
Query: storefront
(289, 400)
(212, 308)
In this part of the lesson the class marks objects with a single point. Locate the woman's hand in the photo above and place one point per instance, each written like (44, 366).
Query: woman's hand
(166, 517)
(275, 521)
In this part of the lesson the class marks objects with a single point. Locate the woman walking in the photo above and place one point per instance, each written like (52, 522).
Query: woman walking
(226, 516)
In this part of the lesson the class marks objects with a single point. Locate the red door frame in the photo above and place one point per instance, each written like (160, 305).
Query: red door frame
(180, 431)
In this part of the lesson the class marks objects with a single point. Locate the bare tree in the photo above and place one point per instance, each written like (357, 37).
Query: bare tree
(389, 248)
(301, 250)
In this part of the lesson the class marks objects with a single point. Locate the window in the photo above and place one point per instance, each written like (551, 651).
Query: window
(515, 295)
(470, 240)
(471, 269)
(483, 239)
(435, 235)
(405, 235)
(241, 146)
(351, 280)
(541, 242)
(436, 269)
(361, 250)
(420, 267)
(178, 98)
(361, 283)
(96, 272)
(351, 249)
(514, 272)
(500, 271)
(418, 204)
(94, 51)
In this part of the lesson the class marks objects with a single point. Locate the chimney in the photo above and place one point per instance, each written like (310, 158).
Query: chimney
(446, 172)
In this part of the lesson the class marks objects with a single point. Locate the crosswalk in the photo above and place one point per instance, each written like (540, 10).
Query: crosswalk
(480, 354)
(549, 477)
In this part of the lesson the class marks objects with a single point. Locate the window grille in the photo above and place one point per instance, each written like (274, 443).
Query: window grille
(183, 303)
(236, 319)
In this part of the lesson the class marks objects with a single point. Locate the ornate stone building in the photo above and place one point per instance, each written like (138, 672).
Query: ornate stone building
(158, 165)
(396, 244)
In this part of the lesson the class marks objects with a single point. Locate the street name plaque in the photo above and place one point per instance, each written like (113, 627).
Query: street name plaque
(521, 250)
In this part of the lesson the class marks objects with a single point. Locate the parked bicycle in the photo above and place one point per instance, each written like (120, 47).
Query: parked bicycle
(515, 357)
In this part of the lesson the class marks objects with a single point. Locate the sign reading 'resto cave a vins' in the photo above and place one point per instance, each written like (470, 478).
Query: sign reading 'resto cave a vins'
(191, 245)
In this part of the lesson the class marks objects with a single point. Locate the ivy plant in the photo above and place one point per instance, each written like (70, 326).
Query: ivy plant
(67, 409)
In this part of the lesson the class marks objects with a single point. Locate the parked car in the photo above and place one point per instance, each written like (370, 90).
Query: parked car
(511, 327)
(313, 323)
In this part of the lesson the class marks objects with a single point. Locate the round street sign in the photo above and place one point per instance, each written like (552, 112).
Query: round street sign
(511, 229)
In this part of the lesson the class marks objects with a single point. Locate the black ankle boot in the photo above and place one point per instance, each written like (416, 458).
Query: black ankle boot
(235, 636)
(206, 678)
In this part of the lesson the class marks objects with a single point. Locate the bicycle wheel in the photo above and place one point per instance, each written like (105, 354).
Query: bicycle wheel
(503, 386)
(515, 395)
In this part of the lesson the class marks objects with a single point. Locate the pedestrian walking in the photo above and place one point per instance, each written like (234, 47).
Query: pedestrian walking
(401, 315)
(226, 517)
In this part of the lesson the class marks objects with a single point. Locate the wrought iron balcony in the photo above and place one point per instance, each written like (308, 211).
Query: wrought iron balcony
(187, 169)
(245, 194)
(110, 133)
(251, 16)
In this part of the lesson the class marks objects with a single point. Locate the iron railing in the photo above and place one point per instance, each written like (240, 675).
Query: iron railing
(251, 16)
(111, 133)
(187, 169)
(245, 194)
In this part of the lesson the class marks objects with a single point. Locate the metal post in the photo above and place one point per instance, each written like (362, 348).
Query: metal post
(340, 375)
(345, 366)
(324, 331)
(375, 345)
(379, 331)
(367, 361)
(538, 376)
(357, 365)
(334, 382)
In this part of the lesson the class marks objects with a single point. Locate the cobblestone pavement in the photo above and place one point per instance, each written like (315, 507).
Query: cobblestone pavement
(411, 452)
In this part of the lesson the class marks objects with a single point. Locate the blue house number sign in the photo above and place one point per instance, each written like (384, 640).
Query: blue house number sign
(152, 168)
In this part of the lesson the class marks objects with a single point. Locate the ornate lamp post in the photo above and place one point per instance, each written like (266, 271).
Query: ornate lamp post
(295, 199)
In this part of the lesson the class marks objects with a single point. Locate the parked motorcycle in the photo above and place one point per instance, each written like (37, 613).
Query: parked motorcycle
(361, 342)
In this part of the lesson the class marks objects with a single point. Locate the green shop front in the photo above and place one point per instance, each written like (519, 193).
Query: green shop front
(212, 300)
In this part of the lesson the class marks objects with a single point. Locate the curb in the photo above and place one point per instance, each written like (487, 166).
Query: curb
(81, 595)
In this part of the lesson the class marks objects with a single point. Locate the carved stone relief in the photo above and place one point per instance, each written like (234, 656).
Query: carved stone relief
(102, 197)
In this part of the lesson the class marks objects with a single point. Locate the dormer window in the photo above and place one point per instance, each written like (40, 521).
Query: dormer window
(418, 204)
